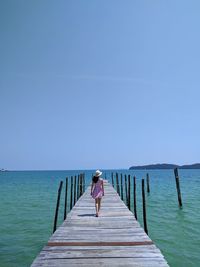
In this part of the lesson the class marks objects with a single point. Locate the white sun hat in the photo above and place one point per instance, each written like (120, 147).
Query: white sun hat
(98, 173)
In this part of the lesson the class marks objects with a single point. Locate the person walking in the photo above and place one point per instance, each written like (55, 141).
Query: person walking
(97, 190)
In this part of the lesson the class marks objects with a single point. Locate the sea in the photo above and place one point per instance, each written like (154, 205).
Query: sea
(28, 201)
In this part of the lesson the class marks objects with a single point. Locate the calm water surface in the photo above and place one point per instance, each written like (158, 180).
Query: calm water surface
(28, 199)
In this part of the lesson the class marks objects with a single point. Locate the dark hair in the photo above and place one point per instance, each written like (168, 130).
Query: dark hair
(95, 179)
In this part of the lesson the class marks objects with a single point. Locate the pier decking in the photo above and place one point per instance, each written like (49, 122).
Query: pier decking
(115, 238)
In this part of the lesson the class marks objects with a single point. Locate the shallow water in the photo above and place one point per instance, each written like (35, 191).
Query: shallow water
(28, 199)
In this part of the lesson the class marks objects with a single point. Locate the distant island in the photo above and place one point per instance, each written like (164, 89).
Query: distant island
(165, 166)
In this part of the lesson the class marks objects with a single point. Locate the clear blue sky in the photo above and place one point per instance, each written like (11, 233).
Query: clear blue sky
(99, 84)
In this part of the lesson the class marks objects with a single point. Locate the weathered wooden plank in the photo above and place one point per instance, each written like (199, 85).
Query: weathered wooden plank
(105, 262)
(86, 230)
(111, 239)
(105, 243)
(150, 248)
(108, 253)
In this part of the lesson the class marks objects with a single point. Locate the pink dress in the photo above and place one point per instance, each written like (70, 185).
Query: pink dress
(98, 190)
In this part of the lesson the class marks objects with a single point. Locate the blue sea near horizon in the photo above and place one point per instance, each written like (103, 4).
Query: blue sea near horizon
(28, 200)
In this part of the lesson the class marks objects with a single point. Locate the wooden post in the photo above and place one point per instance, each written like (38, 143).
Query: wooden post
(112, 179)
(74, 189)
(148, 188)
(57, 206)
(81, 184)
(126, 192)
(117, 184)
(134, 197)
(122, 196)
(144, 208)
(178, 187)
(84, 182)
(71, 194)
(66, 189)
(129, 191)
(78, 192)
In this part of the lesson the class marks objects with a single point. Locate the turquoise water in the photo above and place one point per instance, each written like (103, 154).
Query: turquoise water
(28, 199)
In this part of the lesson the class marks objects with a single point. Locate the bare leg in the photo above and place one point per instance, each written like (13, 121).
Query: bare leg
(96, 206)
(99, 204)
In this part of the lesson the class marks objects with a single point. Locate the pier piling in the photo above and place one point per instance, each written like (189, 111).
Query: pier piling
(117, 184)
(57, 206)
(129, 192)
(144, 208)
(66, 194)
(121, 181)
(112, 180)
(148, 187)
(178, 187)
(78, 187)
(126, 190)
(74, 189)
(71, 193)
(134, 198)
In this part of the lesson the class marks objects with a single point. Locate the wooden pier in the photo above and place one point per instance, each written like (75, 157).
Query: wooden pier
(114, 238)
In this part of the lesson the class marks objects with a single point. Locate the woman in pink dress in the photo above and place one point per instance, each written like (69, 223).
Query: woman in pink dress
(97, 190)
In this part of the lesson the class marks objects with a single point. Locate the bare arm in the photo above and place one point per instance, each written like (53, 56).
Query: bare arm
(92, 187)
(103, 187)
